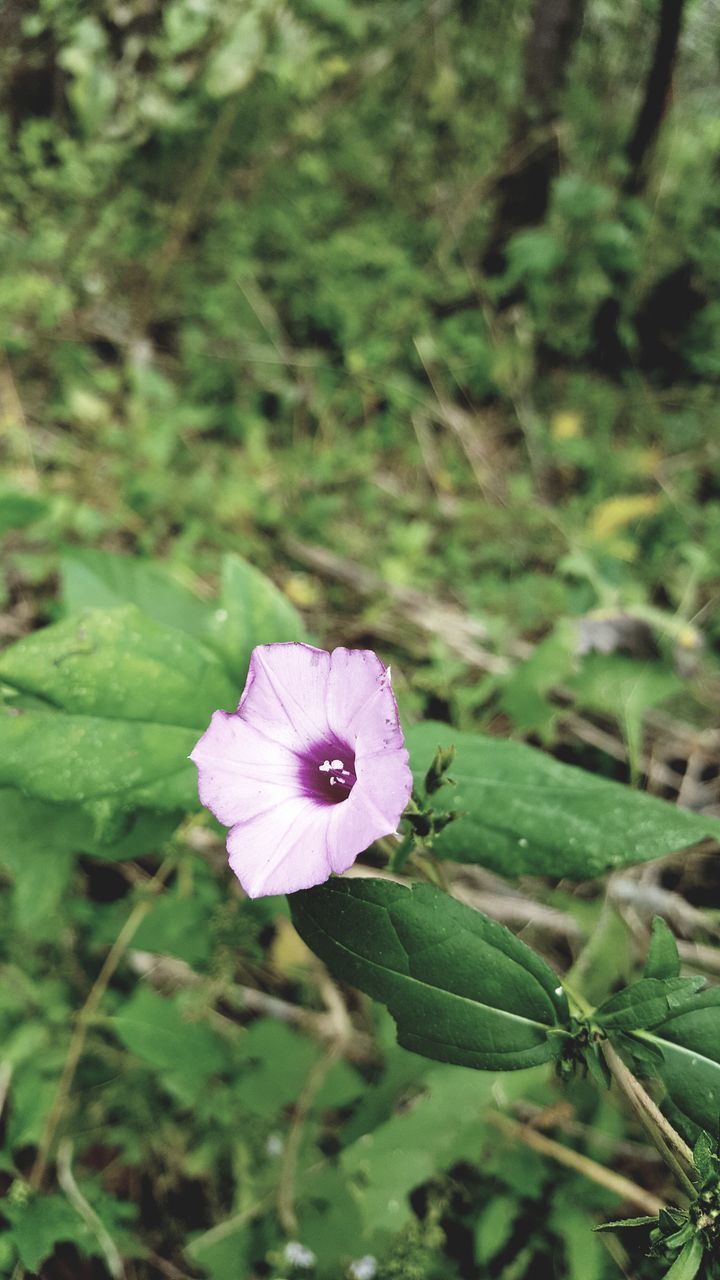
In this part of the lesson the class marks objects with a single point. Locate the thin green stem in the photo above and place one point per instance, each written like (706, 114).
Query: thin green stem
(84, 1019)
(582, 1006)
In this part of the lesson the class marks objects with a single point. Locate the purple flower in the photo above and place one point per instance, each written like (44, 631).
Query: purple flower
(309, 770)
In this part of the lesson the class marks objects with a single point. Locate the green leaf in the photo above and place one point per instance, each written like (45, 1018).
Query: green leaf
(236, 60)
(525, 693)
(461, 987)
(100, 579)
(524, 812)
(663, 960)
(40, 841)
(223, 1259)
(32, 1097)
(623, 687)
(597, 1067)
(638, 1046)
(156, 1030)
(176, 926)
(40, 1224)
(122, 702)
(646, 1003)
(276, 1061)
(688, 1262)
(37, 848)
(690, 1070)
(444, 1124)
(329, 1216)
(66, 758)
(704, 1157)
(584, 1254)
(250, 611)
(18, 509)
(121, 665)
(495, 1226)
(621, 1223)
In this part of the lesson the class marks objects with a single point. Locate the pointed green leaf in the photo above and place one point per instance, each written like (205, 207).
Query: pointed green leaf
(646, 1003)
(663, 960)
(705, 1158)
(597, 1067)
(524, 812)
(460, 986)
(681, 1237)
(626, 1222)
(688, 1262)
(638, 1046)
(690, 1070)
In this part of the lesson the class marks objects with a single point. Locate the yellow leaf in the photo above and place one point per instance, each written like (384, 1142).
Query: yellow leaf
(616, 513)
(648, 460)
(566, 425)
(288, 952)
(301, 590)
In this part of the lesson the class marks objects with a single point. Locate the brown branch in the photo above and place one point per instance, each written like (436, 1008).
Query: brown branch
(621, 1186)
(672, 1147)
(657, 93)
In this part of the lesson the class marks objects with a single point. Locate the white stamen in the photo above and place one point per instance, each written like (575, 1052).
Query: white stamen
(337, 764)
(325, 767)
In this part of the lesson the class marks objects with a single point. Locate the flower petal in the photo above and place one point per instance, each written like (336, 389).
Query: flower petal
(373, 809)
(283, 849)
(383, 787)
(241, 772)
(286, 693)
(361, 703)
(357, 682)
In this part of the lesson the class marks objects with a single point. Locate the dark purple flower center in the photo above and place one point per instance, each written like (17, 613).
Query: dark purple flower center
(327, 773)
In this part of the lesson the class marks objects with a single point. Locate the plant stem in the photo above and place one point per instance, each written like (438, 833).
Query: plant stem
(312, 1086)
(615, 1182)
(674, 1151)
(85, 1017)
(66, 1178)
(288, 1171)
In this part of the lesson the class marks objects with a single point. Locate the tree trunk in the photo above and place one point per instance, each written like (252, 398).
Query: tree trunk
(532, 154)
(657, 94)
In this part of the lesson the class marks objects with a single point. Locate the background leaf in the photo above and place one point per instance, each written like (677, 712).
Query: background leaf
(155, 1030)
(101, 579)
(250, 611)
(663, 960)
